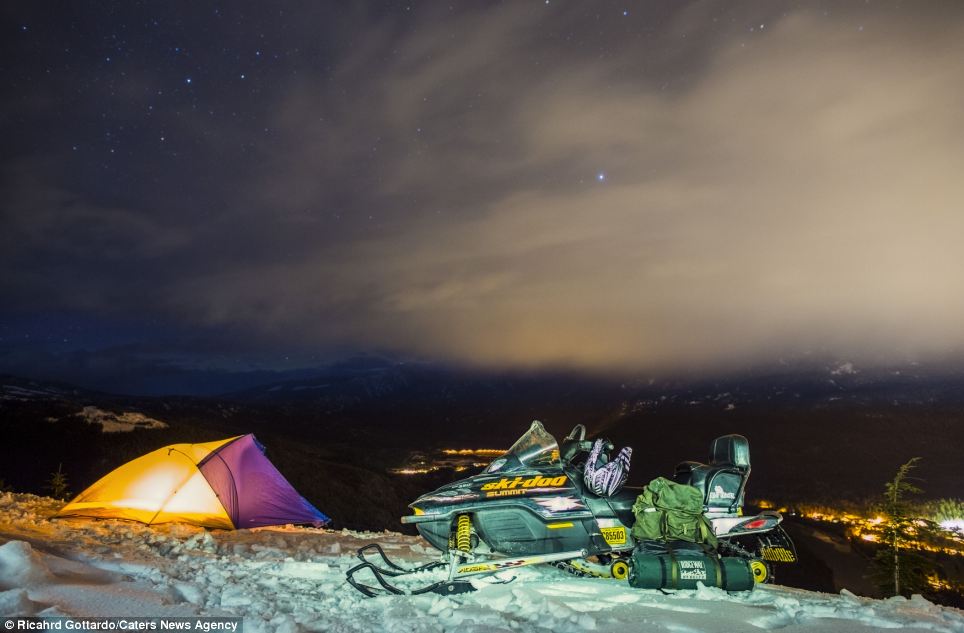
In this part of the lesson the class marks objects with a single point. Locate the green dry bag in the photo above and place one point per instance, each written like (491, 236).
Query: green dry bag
(684, 571)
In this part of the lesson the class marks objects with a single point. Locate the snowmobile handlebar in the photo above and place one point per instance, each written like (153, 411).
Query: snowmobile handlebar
(578, 433)
(574, 444)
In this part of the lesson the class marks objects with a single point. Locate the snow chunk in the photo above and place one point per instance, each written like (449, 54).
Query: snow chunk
(234, 597)
(202, 541)
(16, 602)
(20, 566)
(188, 592)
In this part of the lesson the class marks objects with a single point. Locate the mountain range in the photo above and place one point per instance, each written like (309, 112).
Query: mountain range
(818, 431)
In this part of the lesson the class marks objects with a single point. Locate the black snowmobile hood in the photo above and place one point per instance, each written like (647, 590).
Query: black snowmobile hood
(491, 486)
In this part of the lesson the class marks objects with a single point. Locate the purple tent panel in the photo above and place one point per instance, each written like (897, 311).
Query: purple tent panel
(251, 489)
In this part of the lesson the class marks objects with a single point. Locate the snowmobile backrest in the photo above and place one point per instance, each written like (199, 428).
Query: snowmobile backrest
(722, 486)
(724, 489)
(692, 473)
(730, 450)
(723, 480)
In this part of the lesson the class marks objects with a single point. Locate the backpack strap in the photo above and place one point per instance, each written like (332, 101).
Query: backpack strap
(673, 565)
(719, 570)
(706, 534)
(662, 573)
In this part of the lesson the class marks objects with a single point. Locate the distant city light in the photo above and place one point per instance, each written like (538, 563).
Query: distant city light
(494, 452)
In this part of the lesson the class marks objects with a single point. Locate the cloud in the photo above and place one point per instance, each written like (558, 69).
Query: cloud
(767, 191)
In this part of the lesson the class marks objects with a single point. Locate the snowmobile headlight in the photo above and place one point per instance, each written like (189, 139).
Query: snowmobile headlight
(418, 511)
(496, 465)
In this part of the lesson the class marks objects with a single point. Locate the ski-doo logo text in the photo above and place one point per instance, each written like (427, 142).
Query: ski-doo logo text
(534, 482)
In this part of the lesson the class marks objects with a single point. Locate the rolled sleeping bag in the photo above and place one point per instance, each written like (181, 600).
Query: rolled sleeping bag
(685, 570)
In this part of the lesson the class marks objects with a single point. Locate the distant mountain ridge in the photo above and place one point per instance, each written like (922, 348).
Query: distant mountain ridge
(807, 383)
(806, 420)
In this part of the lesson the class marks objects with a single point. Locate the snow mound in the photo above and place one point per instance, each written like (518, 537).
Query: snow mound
(20, 566)
(111, 422)
(17, 602)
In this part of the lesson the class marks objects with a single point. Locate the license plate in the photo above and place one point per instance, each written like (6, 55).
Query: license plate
(614, 536)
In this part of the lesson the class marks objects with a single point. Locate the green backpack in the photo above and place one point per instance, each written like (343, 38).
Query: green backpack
(670, 511)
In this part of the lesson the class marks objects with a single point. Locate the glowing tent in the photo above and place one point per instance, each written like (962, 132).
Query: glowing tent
(225, 484)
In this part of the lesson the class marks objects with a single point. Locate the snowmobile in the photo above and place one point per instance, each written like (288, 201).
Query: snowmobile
(531, 506)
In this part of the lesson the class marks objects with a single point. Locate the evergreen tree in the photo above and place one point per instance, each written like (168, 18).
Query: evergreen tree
(947, 510)
(57, 484)
(899, 566)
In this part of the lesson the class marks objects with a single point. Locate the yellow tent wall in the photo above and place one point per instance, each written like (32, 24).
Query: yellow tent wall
(161, 487)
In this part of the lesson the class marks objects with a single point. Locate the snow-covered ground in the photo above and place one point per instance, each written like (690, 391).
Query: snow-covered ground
(292, 579)
(111, 422)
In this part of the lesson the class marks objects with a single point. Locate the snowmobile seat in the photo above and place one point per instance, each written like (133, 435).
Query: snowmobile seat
(622, 503)
(723, 480)
(684, 473)
(662, 548)
(618, 506)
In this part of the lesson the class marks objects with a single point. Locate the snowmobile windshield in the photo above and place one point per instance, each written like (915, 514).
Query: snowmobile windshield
(536, 449)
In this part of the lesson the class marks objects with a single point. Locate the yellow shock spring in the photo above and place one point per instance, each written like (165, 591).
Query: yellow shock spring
(463, 533)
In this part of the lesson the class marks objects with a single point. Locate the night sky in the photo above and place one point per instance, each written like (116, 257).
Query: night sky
(528, 183)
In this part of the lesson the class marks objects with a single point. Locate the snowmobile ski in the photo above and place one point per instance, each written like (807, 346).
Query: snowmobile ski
(459, 567)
